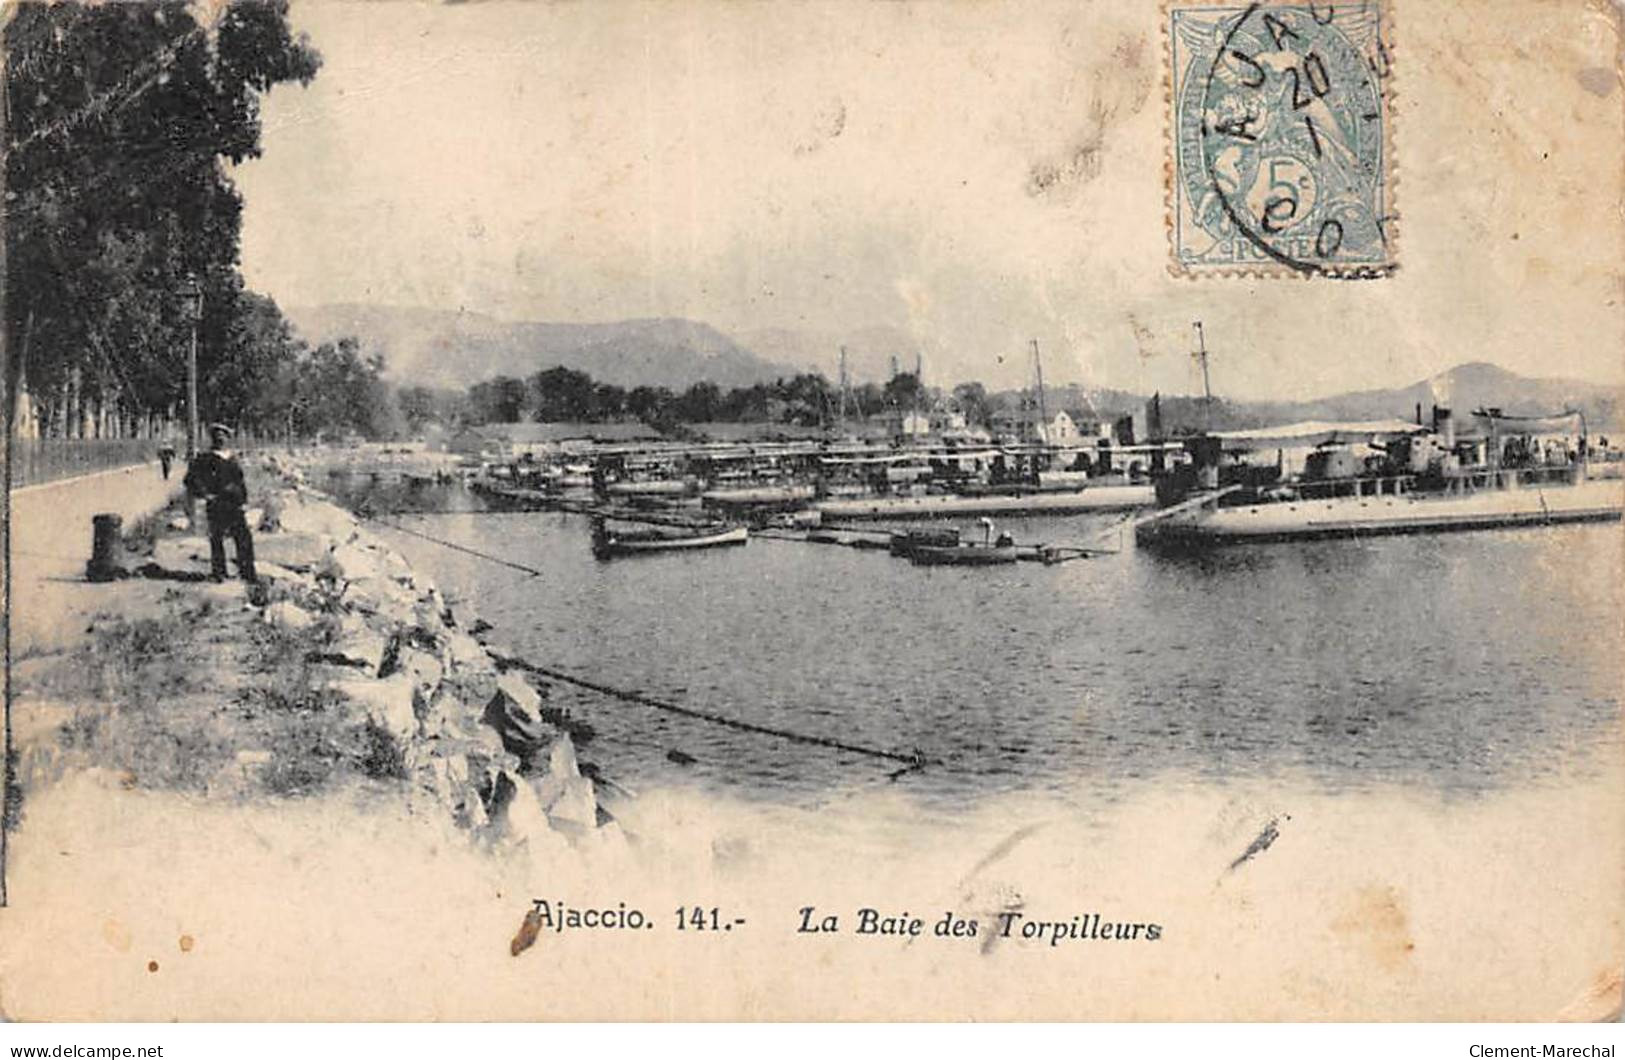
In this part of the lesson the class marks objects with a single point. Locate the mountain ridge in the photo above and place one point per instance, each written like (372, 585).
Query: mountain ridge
(1462, 389)
(455, 348)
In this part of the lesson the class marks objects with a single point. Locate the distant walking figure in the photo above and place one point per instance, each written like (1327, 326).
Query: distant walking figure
(216, 477)
(166, 457)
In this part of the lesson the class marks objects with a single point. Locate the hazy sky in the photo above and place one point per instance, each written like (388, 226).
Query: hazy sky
(839, 166)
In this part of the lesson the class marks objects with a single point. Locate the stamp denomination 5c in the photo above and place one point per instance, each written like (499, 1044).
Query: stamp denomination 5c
(1280, 138)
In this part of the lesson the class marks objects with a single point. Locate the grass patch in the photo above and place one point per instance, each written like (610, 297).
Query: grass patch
(142, 535)
(381, 757)
(202, 698)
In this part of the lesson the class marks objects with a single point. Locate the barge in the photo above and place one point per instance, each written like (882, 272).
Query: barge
(915, 506)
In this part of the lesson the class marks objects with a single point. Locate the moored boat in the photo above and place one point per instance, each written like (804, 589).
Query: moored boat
(963, 555)
(608, 542)
(1092, 498)
(1390, 477)
(937, 549)
(903, 543)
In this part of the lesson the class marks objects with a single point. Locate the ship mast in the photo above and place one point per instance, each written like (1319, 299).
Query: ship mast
(844, 388)
(1043, 412)
(1200, 353)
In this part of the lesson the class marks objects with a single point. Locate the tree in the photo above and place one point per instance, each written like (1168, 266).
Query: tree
(560, 394)
(120, 116)
(700, 403)
(746, 403)
(973, 401)
(651, 404)
(500, 399)
(245, 382)
(608, 402)
(808, 400)
(419, 407)
(869, 399)
(340, 391)
(903, 391)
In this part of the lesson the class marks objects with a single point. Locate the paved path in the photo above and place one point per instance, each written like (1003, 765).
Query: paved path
(50, 542)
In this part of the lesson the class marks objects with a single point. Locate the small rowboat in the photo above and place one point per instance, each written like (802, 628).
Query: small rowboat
(607, 543)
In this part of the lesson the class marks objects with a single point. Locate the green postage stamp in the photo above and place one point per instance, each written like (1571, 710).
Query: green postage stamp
(1280, 135)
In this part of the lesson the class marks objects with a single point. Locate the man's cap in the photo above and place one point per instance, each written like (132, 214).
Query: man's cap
(221, 428)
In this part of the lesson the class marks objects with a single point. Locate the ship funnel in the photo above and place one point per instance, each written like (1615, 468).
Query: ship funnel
(1444, 425)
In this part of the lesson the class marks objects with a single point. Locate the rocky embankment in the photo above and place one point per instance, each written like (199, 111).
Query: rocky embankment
(389, 668)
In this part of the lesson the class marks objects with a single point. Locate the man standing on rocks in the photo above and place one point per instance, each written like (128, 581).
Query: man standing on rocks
(217, 477)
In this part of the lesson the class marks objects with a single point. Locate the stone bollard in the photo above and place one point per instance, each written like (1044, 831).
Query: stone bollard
(103, 566)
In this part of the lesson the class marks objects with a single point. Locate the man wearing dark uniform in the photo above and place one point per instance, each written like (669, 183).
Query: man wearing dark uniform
(218, 479)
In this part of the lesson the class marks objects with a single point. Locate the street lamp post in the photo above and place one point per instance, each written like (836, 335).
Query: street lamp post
(191, 296)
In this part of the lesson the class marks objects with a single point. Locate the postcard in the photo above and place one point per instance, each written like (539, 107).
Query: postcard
(814, 511)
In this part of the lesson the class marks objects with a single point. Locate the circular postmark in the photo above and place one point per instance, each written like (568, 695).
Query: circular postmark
(1290, 143)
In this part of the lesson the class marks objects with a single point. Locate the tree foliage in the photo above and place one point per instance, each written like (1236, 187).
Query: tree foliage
(497, 400)
(973, 401)
(337, 390)
(562, 394)
(121, 117)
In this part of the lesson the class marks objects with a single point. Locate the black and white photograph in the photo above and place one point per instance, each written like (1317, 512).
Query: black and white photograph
(816, 511)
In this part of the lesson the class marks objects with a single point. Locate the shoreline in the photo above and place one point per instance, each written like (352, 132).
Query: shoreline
(346, 666)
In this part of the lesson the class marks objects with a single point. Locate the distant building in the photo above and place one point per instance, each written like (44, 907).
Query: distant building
(913, 424)
(1014, 424)
(1061, 428)
(513, 441)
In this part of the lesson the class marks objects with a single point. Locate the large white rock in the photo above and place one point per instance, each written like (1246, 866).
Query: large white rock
(361, 647)
(466, 652)
(394, 566)
(574, 804)
(383, 598)
(443, 717)
(513, 685)
(301, 552)
(353, 563)
(436, 603)
(561, 759)
(565, 794)
(276, 572)
(300, 515)
(524, 820)
(289, 616)
(386, 702)
(427, 618)
(513, 712)
(424, 671)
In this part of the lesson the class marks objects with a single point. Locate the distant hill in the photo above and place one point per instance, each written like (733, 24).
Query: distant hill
(445, 348)
(1462, 388)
